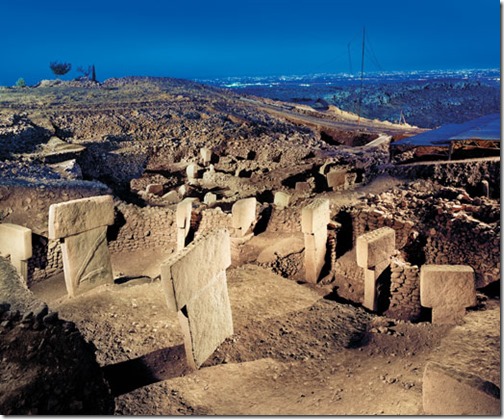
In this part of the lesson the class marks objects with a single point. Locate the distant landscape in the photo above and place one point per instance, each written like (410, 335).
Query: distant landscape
(426, 99)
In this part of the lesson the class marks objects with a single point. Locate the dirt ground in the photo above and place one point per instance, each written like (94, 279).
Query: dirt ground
(293, 351)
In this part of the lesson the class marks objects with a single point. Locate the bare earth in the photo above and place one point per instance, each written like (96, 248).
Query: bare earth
(293, 351)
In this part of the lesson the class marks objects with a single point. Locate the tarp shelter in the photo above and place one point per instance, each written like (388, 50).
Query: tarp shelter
(486, 129)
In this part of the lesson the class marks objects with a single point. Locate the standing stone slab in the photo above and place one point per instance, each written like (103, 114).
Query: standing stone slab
(336, 179)
(80, 215)
(16, 241)
(244, 215)
(448, 290)
(281, 199)
(86, 261)
(314, 220)
(194, 282)
(447, 391)
(375, 247)
(370, 278)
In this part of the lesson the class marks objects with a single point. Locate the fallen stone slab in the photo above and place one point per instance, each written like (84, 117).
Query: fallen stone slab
(80, 215)
(447, 391)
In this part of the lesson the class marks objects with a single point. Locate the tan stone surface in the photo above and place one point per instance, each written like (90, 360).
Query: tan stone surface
(209, 321)
(315, 251)
(447, 391)
(244, 215)
(192, 171)
(315, 216)
(370, 278)
(80, 215)
(183, 221)
(86, 261)
(450, 285)
(281, 199)
(375, 247)
(336, 179)
(206, 155)
(15, 240)
(188, 271)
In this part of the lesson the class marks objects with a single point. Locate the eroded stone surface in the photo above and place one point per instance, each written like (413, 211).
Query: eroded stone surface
(16, 241)
(375, 247)
(315, 216)
(80, 215)
(86, 261)
(448, 290)
(183, 221)
(314, 220)
(447, 391)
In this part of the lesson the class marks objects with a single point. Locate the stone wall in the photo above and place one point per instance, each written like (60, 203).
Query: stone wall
(213, 219)
(404, 291)
(141, 228)
(460, 239)
(287, 220)
(47, 259)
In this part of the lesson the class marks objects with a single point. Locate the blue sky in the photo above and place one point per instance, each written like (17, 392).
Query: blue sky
(205, 39)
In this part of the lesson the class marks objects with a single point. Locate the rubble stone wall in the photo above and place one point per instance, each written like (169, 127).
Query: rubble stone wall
(404, 291)
(213, 219)
(142, 228)
(47, 259)
(462, 240)
(287, 220)
(369, 220)
(467, 174)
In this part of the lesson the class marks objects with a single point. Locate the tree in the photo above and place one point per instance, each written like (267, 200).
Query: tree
(89, 73)
(60, 69)
(20, 82)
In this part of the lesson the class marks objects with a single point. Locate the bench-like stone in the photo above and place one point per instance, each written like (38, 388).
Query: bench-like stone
(447, 391)
(194, 282)
(315, 216)
(86, 261)
(80, 215)
(375, 247)
(16, 241)
(244, 215)
(448, 290)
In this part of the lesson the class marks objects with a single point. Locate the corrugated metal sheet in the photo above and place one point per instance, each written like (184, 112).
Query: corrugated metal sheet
(486, 128)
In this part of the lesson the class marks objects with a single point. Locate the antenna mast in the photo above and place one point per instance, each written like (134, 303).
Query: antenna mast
(362, 73)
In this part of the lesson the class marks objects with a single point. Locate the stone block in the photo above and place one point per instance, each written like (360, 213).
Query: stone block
(315, 216)
(303, 187)
(448, 290)
(447, 391)
(336, 179)
(16, 241)
(282, 199)
(210, 198)
(375, 247)
(183, 220)
(244, 215)
(171, 197)
(86, 261)
(193, 171)
(80, 215)
(207, 321)
(191, 269)
(206, 155)
(154, 188)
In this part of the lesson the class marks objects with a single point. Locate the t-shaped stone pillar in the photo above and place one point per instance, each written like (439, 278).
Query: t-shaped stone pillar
(314, 220)
(194, 281)
(448, 290)
(16, 241)
(373, 252)
(82, 226)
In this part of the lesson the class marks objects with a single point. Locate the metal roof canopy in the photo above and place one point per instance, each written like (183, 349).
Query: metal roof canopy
(486, 128)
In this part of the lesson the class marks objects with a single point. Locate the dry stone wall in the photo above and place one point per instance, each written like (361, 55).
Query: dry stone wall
(404, 291)
(142, 228)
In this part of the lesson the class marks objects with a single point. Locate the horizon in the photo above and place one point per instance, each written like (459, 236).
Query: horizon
(255, 38)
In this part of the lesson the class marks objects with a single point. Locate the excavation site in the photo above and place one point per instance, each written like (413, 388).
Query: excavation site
(174, 248)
